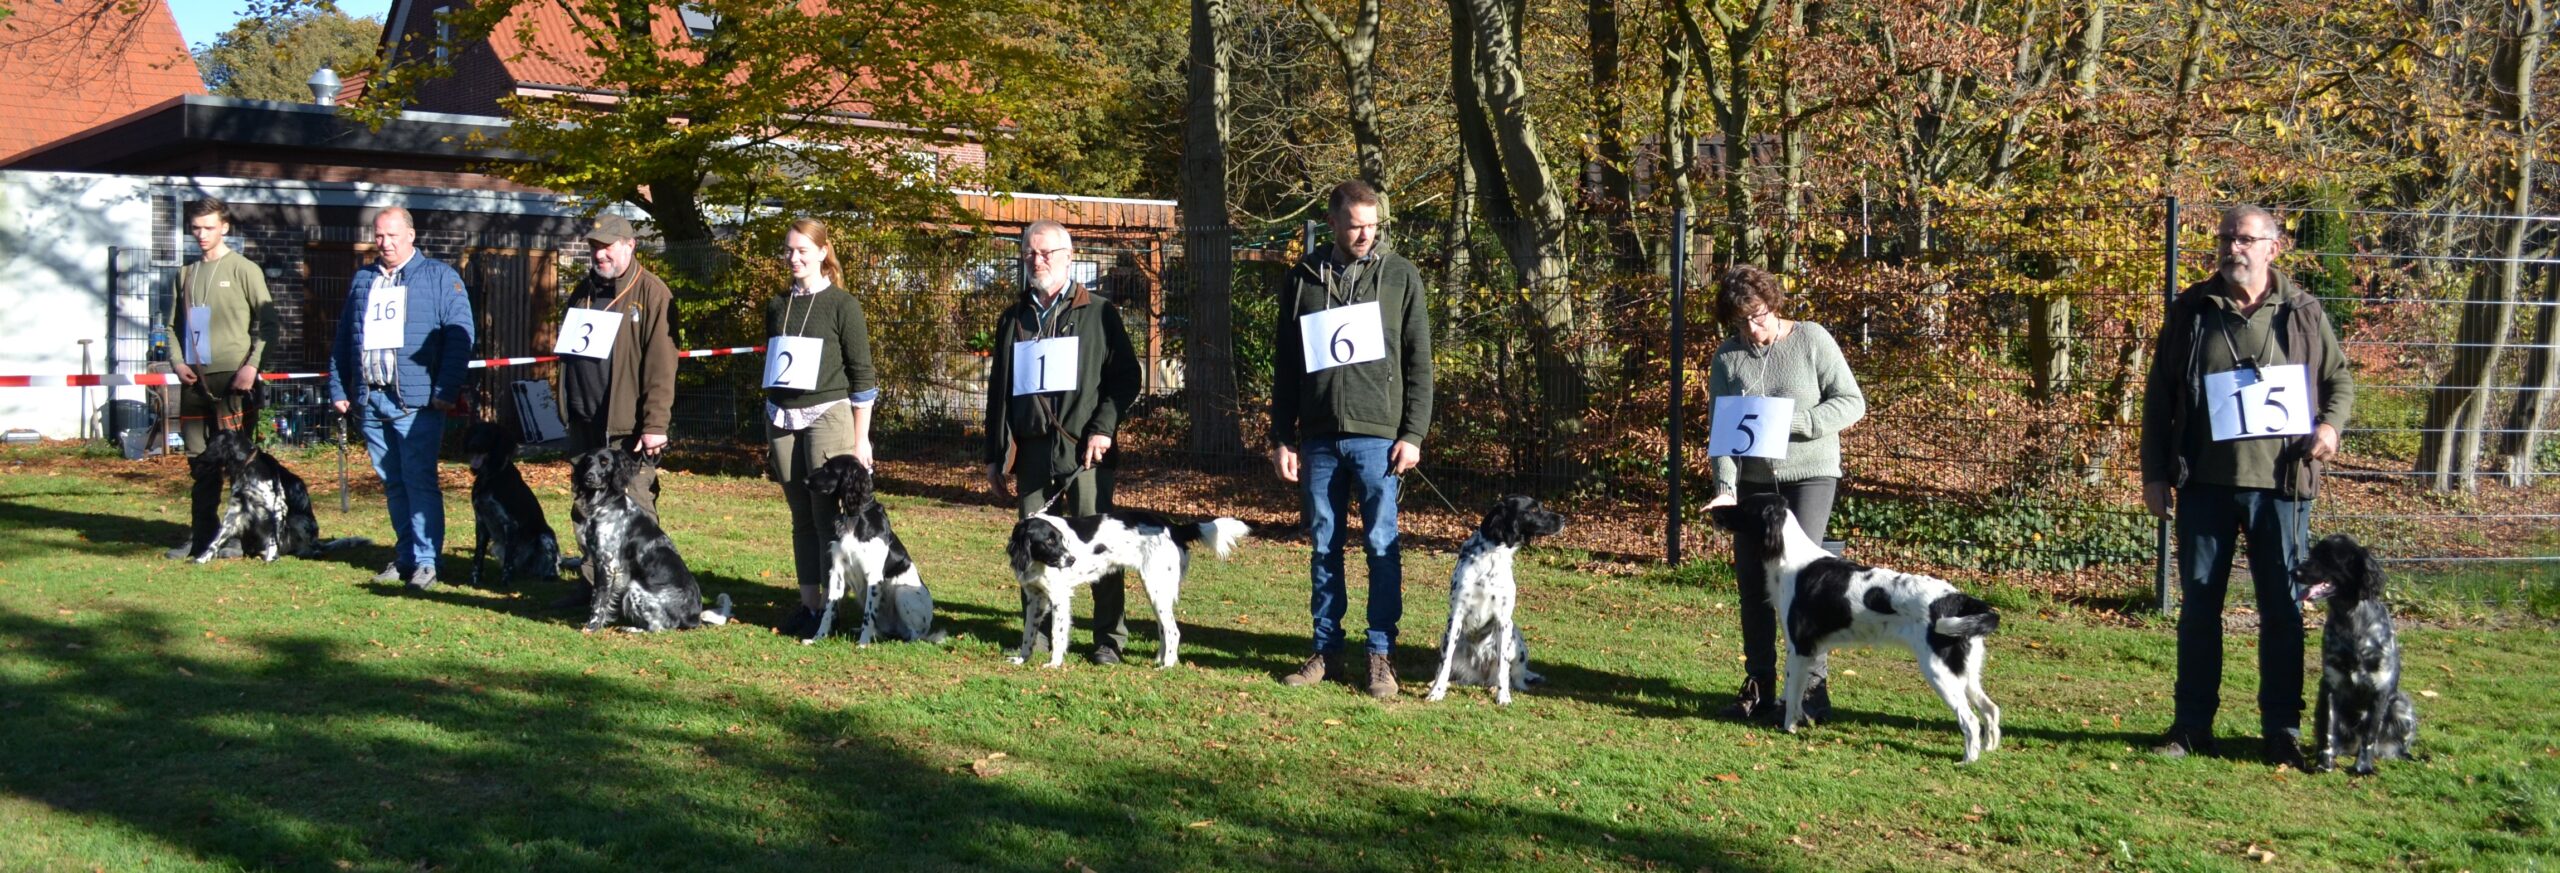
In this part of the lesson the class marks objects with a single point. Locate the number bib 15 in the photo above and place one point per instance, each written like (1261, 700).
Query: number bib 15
(588, 333)
(1342, 335)
(1042, 366)
(199, 340)
(2262, 402)
(1751, 427)
(386, 317)
(792, 361)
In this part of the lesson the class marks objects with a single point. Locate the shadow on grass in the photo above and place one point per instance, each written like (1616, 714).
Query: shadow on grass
(93, 533)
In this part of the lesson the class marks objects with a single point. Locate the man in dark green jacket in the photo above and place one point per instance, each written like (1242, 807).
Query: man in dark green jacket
(618, 390)
(1350, 406)
(1056, 423)
(2247, 394)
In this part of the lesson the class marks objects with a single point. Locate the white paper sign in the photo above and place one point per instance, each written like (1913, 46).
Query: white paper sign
(792, 361)
(1043, 366)
(386, 317)
(199, 336)
(1342, 335)
(1751, 427)
(588, 333)
(2267, 401)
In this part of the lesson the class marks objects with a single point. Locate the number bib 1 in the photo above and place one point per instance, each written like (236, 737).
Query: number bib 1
(1342, 335)
(199, 336)
(2262, 402)
(792, 361)
(588, 333)
(1751, 427)
(1042, 366)
(386, 317)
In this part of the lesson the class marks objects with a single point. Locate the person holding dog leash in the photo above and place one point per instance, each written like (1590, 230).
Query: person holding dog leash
(224, 322)
(1063, 373)
(617, 366)
(401, 357)
(819, 388)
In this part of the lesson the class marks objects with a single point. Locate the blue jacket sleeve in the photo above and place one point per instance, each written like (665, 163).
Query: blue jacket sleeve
(342, 366)
(452, 339)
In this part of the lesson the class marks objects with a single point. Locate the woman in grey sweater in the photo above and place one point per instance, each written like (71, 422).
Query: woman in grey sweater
(1771, 356)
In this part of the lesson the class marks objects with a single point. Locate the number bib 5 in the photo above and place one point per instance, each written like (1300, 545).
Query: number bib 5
(792, 361)
(2258, 402)
(1043, 366)
(588, 333)
(1751, 427)
(1342, 335)
(386, 318)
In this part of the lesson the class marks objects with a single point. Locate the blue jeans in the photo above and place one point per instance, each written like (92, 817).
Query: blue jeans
(1333, 469)
(2210, 522)
(403, 443)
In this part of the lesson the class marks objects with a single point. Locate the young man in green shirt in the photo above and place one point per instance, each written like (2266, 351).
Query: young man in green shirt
(224, 322)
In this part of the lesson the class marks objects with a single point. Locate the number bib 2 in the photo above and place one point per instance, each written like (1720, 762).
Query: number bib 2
(386, 317)
(1342, 335)
(1751, 427)
(2261, 402)
(792, 361)
(1043, 366)
(588, 333)
(199, 340)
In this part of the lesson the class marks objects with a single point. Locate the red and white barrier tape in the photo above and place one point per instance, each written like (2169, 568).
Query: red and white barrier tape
(113, 380)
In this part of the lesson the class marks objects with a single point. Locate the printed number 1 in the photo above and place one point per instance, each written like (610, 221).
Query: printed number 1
(1750, 437)
(1040, 365)
(1342, 347)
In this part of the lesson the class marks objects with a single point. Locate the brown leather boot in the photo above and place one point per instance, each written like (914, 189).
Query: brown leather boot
(1382, 677)
(1319, 667)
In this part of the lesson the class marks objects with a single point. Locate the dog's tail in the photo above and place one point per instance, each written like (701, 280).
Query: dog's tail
(1971, 618)
(1221, 534)
(718, 614)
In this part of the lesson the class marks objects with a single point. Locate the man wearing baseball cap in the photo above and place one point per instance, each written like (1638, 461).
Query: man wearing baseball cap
(618, 359)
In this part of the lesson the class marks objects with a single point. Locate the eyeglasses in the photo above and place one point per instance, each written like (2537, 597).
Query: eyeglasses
(2240, 240)
(1047, 254)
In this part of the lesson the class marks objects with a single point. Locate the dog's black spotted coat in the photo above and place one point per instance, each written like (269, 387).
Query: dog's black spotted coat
(2361, 710)
(1483, 644)
(1053, 555)
(506, 517)
(269, 510)
(867, 561)
(641, 581)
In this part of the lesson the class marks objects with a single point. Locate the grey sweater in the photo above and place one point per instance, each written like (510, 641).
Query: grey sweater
(1805, 366)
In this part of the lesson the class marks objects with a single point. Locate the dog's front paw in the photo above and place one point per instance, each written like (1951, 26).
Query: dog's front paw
(1502, 697)
(205, 558)
(1437, 692)
(1016, 659)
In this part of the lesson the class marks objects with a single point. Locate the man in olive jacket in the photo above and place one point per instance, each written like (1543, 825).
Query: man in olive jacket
(1061, 438)
(225, 322)
(1351, 407)
(2247, 325)
(624, 398)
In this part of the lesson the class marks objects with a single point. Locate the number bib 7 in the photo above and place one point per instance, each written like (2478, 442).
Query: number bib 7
(588, 333)
(792, 361)
(1342, 335)
(1750, 427)
(2261, 402)
(386, 317)
(1043, 366)
(199, 341)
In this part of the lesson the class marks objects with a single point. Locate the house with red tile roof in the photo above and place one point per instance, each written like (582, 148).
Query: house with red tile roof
(69, 65)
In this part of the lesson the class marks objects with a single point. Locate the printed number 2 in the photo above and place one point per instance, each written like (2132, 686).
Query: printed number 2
(1342, 347)
(1750, 436)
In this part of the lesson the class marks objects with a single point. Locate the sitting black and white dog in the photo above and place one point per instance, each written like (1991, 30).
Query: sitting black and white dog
(2361, 709)
(1484, 646)
(269, 512)
(866, 549)
(505, 511)
(1053, 556)
(1824, 603)
(640, 580)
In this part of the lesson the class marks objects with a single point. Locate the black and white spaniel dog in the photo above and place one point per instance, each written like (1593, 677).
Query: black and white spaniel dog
(1053, 556)
(505, 511)
(1484, 646)
(269, 513)
(865, 548)
(2361, 709)
(640, 580)
(1824, 603)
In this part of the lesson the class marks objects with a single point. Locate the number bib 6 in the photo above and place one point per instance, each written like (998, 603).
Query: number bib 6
(588, 333)
(1342, 335)
(1751, 427)
(2262, 402)
(1043, 366)
(792, 361)
(386, 318)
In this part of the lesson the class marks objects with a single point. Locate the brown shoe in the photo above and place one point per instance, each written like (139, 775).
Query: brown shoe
(1319, 667)
(1382, 677)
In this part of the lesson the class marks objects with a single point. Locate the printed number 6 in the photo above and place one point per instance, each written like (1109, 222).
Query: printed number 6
(1750, 437)
(1342, 347)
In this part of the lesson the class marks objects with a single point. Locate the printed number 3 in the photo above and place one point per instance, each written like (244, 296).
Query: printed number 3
(588, 337)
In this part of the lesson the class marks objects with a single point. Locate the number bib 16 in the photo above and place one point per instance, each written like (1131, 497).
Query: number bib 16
(2264, 402)
(1042, 366)
(1342, 335)
(199, 340)
(386, 317)
(1751, 427)
(588, 333)
(792, 361)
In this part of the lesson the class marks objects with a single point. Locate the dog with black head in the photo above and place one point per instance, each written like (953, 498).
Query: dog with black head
(1484, 645)
(269, 513)
(866, 549)
(2361, 710)
(1052, 556)
(504, 510)
(641, 582)
(1824, 603)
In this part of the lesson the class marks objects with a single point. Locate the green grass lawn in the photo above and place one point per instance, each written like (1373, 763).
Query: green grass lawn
(168, 716)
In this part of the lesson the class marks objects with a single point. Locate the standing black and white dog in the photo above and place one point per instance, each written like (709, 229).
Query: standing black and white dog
(1053, 556)
(1484, 646)
(1825, 603)
(504, 510)
(640, 580)
(865, 548)
(2361, 709)
(269, 512)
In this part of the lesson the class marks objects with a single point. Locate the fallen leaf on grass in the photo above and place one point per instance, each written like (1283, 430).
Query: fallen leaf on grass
(1728, 777)
(2426, 692)
(182, 671)
(1333, 722)
(1202, 823)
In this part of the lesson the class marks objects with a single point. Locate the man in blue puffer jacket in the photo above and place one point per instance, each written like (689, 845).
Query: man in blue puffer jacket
(403, 348)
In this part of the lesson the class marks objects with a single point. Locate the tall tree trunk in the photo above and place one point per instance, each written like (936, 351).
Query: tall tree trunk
(2531, 413)
(1617, 200)
(1679, 145)
(2459, 408)
(1732, 84)
(2518, 61)
(1357, 48)
(2050, 341)
(1207, 241)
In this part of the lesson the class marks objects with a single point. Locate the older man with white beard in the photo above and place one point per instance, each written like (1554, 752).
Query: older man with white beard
(2247, 393)
(617, 365)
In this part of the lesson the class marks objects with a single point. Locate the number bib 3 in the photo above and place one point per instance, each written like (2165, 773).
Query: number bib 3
(2258, 402)
(588, 333)
(1043, 366)
(1751, 427)
(386, 318)
(1342, 335)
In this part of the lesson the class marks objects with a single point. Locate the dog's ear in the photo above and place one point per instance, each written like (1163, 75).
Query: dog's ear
(825, 479)
(1502, 522)
(2368, 570)
(1774, 517)
(1728, 518)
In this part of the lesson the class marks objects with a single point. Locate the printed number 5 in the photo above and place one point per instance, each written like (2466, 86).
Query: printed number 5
(1342, 347)
(1750, 436)
(2282, 412)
